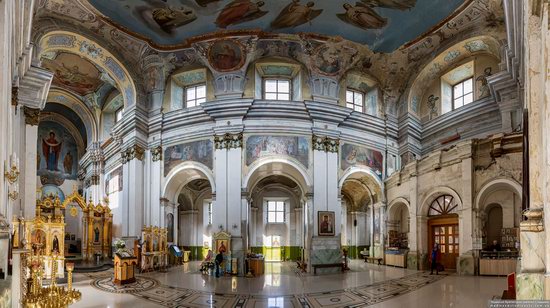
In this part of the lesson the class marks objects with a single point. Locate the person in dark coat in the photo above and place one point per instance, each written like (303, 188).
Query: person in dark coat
(219, 260)
(435, 257)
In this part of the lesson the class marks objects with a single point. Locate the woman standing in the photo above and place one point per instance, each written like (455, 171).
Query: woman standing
(435, 257)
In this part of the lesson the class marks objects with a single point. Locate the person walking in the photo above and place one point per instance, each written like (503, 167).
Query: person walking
(435, 257)
(219, 261)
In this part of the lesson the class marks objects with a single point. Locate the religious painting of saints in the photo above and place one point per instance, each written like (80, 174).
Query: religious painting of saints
(261, 146)
(55, 244)
(353, 155)
(67, 236)
(199, 151)
(97, 232)
(226, 55)
(57, 153)
(38, 241)
(221, 246)
(170, 227)
(377, 225)
(326, 223)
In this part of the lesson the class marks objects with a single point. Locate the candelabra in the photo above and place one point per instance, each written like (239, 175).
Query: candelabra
(13, 173)
(52, 296)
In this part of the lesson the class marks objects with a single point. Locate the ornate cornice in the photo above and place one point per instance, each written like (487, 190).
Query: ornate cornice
(32, 115)
(132, 152)
(229, 141)
(156, 153)
(325, 144)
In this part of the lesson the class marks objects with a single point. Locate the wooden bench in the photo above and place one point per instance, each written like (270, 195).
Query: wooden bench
(316, 266)
(372, 259)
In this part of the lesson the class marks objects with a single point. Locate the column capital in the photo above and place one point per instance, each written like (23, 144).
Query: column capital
(228, 141)
(326, 144)
(534, 222)
(156, 153)
(135, 151)
(32, 115)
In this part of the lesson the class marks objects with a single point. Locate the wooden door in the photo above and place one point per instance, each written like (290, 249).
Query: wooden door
(444, 231)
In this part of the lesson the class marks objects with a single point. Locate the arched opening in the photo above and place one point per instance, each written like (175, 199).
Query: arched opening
(361, 219)
(278, 227)
(493, 226)
(443, 228)
(195, 211)
(398, 226)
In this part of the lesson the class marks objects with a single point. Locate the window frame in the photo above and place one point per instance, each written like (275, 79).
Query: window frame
(195, 100)
(283, 211)
(463, 94)
(355, 91)
(277, 93)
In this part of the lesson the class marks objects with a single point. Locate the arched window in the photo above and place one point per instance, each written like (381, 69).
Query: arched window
(443, 205)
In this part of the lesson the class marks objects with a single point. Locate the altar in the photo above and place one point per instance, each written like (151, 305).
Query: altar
(154, 251)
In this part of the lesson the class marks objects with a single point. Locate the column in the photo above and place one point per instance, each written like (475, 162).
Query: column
(326, 249)
(415, 252)
(132, 198)
(28, 161)
(155, 174)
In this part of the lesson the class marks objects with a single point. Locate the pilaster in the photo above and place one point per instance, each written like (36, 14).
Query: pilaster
(132, 196)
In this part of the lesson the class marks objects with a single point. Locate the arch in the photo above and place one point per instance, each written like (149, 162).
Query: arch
(436, 192)
(277, 165)
(184, 173)
(69, 100)
(397, 201)
(92, 51)
(497, 184)
(353, 171)
(445, 59)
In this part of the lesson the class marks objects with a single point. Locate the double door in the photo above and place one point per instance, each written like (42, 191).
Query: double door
(444, 231)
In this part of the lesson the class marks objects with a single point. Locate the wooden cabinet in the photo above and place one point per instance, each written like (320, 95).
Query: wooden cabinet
(256, 266)
(399, 260)
(497, 267)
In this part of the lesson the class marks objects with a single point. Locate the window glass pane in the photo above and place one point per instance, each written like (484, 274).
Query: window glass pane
(191, 103)
(349, 96)
(468, 86)
(458, 90)
(201, 91)
(468, 98)
(271, 85)
(358, 108)
(190, 93)
(270, 96)
(271, 217)
(280, 217)
(458, 103)
(271, 206)
(280, 206)
(349, 105)
(284, 97)
(284, 86)
(201, 100)
(358, 99)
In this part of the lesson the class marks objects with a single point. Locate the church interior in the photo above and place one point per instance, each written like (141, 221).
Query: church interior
(292, 153)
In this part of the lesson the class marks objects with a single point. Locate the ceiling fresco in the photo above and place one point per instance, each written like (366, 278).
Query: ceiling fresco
(73, 72)
(383, 25)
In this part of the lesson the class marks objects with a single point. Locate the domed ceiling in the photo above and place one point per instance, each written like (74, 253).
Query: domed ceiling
(383, 25)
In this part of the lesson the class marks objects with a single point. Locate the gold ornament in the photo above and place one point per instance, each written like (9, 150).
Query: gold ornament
(74, 211)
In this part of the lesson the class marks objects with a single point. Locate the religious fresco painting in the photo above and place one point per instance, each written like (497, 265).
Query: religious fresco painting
(226, 55)
(57, 157)
(199, 151)
(383, 25)
(354, 155)
(261, 146)
(74, 72)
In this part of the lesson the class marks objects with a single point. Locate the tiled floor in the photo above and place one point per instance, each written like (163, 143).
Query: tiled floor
(365, 285)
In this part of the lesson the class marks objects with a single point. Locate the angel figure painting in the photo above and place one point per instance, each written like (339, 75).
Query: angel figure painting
(296, 14)
(363, 16)
(239, 11)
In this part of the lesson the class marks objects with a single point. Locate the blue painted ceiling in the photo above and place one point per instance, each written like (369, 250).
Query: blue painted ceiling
(383, 25)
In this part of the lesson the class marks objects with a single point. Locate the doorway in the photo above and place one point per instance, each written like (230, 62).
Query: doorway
(444, 231)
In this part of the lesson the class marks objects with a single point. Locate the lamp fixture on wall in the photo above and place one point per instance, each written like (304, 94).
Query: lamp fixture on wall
(12, 174)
